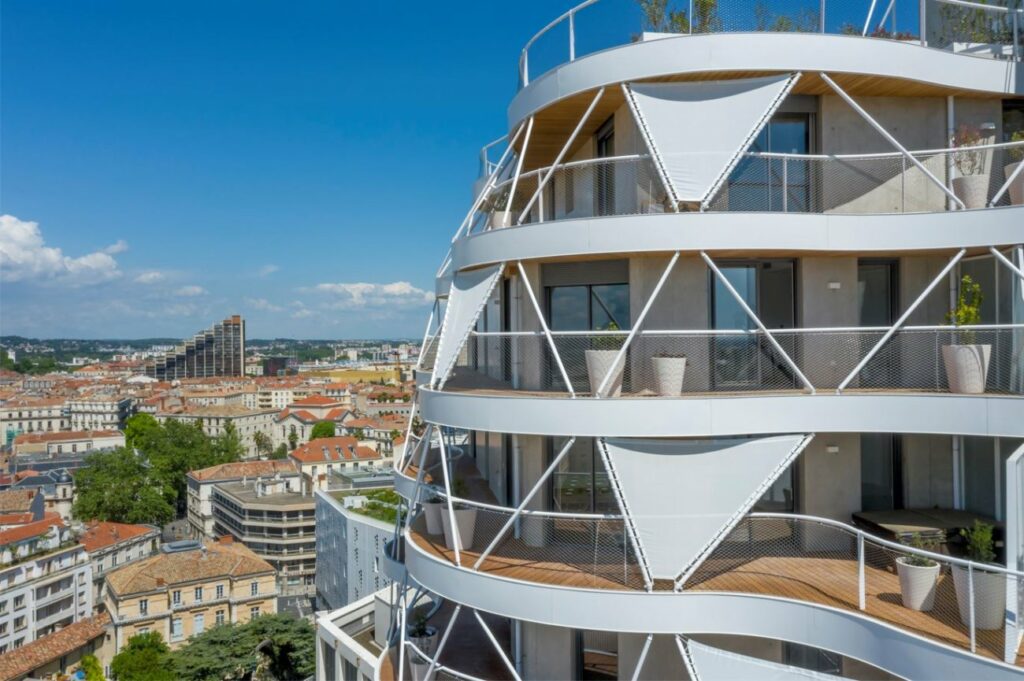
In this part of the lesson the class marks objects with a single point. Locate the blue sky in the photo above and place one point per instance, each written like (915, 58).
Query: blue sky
(165, 164)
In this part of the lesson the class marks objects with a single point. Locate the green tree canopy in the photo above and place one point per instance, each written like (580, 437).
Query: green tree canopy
(144, 658)
(322, 429)
(286, 646)
(138, 428)
(121, 487)
(92, 668)
(280, 452)
(262, 441)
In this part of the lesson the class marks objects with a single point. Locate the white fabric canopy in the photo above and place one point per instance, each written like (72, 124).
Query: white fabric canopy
(683, 494)
(698, 130)
(468, 294)
(714, 664)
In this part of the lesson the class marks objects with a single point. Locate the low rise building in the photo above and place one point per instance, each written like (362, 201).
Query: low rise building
(113, 545)
(72, 441)
(20, 507)
(31, 416)
(320, 459)
(201, 483)
(214, 421)
(45, 581)
(187, 587)
(296, 422)
(99, 412)
(55, 486)
(55, 655)
(278, 524)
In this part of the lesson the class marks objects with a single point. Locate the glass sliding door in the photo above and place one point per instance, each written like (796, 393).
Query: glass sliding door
(775, 184)
(881, 472)
(604, 173)
(587, 307)
(878, 306)
(580, 483)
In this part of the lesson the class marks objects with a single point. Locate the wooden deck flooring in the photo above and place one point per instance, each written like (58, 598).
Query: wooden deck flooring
(822, 580)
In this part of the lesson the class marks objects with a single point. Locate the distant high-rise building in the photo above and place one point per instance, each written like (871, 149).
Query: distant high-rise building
(217, 351)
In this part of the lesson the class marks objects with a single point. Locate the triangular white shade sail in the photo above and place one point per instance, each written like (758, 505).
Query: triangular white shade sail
(467, 297)
(714, 664)
(683, 495)
(698, 130)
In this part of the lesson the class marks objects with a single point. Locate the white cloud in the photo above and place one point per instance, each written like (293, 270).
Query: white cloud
(362, 295)
(150, 277)
(120, 246)
(262, 304)
(24, 256)
(190, 291)
(302, 314)
(267, 270)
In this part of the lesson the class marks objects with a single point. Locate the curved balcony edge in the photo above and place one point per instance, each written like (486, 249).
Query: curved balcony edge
(693, 232)
(876, 643)
(766, 53)
(933, 414)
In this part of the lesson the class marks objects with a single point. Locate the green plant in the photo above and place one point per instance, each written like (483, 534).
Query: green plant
(968, 308)
(1016, 154)
(607, 342)
(460, 488)
(980, 543)
(967, 159)
(419, 627)
(917, 560)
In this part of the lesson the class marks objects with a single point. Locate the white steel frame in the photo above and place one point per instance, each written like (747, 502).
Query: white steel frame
(544, 327)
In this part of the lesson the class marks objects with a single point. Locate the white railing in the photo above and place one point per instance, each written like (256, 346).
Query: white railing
(974, 28)
(861, 184)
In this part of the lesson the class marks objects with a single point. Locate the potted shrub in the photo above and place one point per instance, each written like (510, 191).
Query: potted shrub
(1015, 156)
(989, 587)
(971, 186)
(600, 359)
(918, 577)
(465, 520)
(433, 509)
(669, 371)
(966, 362)
(424, 637)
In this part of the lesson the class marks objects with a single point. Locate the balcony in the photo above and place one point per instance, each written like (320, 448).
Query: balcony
(967, 28)
(795, 558)
(736, 362)
(848, 184)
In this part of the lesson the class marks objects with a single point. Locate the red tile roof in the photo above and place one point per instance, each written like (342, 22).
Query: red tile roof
(100, 534)
(242, 469)
(30, 530)
(315, 401)
(28, 658)
(313, 452)
(61, 436)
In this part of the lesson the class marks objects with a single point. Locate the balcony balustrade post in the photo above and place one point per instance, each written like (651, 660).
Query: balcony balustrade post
(903, 184)
(572, 36)
(922, 13)
(861, 585)
(970, 599)
(1016, 35)
(785, 184)
(821, 16)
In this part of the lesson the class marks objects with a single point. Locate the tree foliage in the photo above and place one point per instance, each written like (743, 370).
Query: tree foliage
(280, 452)
(138, 427)
(144, 658)
(281, 644)
(92, 668)
(322, 429)
(120, 486)
(263, 444)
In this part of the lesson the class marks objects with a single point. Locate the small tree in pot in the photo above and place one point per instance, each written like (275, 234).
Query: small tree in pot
(918, 576)
(465, 519)
(424, 637)
(600, 359)
(966, 362)
(433, 510)
(971, 186)
(989, 587)
(1015, 156)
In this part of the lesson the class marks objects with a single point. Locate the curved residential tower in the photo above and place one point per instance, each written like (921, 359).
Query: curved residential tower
(725, 377)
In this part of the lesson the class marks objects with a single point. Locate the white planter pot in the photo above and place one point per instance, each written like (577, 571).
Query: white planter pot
(434, 511)
(972, 190)
(500, 218)
(599, 362)
(917, 585)
(426, 643)
(668, 375)
(1016, 190)
(465, 518)
(966, 367)
(989, 598)
(418, 668)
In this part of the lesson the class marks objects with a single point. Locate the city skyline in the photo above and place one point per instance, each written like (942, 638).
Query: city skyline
(149, 189)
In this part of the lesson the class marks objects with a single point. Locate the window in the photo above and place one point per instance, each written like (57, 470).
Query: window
(254, 612)
(220, 591)
(254, 588)
(3, 628)
(175, 597)
(177, 632)
(219, 617)
(19, 602)
(144, 606)
(198, 623)
(19, 623)
(199, 594)
(141, 630)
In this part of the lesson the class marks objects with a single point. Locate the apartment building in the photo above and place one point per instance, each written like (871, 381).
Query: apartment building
(32, 416)
(213, 420)
(320, 460)
(277, 523)
(217, 351)
(297, 420)
(729, 343)
(45, 582)
(59, 654)
(99, 412)
(112, 545)
(72, 441)
(201, 483)
(187, 587)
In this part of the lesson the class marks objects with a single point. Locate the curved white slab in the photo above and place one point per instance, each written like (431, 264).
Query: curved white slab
(941, 414)
(743, 232)
(848, 633)
(767, 53)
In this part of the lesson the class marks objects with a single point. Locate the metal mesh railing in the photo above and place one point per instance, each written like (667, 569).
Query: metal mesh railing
(982, 29)
(674, 363)
(429, 353)
(942, 598)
